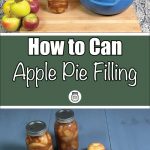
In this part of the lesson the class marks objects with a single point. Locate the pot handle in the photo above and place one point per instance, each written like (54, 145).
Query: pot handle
(103, 3)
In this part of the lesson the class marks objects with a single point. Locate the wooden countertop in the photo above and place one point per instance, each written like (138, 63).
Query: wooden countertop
(79, 19)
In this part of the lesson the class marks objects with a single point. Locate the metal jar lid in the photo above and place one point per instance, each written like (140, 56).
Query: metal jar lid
(64, 116)
(36, 128)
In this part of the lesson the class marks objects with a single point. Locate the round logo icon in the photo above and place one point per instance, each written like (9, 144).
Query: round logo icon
(75, 96)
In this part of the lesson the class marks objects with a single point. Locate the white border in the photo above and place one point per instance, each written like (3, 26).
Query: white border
(75, 34)
(75, 107)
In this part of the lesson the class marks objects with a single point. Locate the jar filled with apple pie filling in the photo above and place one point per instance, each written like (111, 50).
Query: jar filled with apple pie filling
(66, 130)
(57, 6)
(38, 138)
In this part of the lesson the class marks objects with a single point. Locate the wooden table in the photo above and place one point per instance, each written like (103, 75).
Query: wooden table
(79, 19)
(116, 129)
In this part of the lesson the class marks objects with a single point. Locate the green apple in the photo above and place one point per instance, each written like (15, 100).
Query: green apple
(20, 8)
(6, 7)
(10, 24)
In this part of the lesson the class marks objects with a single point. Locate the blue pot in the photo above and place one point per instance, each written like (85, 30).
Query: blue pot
(107, 7)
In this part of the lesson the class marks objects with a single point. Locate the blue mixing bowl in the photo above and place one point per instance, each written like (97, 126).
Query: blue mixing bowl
(107, 7)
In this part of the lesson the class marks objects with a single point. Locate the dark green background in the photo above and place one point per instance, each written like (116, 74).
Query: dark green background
(135, 54)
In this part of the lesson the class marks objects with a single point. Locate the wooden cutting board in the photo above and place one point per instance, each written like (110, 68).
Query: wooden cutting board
(79, 19)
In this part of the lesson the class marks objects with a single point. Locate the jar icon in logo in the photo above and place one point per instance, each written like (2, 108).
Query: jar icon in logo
(74, 96)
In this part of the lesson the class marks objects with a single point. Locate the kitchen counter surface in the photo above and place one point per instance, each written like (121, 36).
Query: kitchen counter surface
(116, 129)
(143, 12)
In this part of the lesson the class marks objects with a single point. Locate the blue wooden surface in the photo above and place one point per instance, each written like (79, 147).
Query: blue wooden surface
(129, 129)
(116, 129)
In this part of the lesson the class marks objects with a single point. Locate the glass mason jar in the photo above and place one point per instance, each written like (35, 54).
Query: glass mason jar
(38, 137)
(66, 130)
(57, 6)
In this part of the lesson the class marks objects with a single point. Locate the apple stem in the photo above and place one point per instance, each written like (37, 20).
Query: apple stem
(18, 1)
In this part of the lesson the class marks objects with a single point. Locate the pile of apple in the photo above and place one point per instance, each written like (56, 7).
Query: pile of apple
(19, 13)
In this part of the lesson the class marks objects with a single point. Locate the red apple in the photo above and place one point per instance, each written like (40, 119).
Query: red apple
(30, 22)
(10, 24)
(34, 5)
